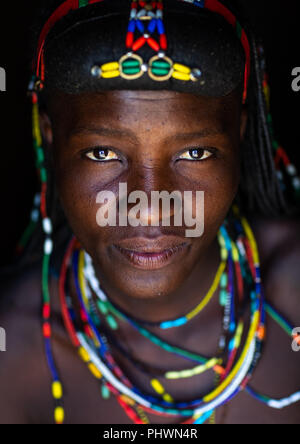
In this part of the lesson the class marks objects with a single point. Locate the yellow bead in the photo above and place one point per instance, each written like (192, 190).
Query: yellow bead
(168, 398)
(181, 76)
(113, 66)
(157, 386)
(128, 400)
(95, 371)
(235, 253)
(59, 415)
(182, 68)
(224, 254)
(84, 354)
(110, 74)
(57, 390)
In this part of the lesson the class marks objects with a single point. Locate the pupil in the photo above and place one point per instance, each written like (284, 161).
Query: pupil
(101, 153)
(196, 153)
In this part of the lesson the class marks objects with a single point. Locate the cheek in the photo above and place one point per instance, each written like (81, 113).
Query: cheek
(79, 182)
(218, 179)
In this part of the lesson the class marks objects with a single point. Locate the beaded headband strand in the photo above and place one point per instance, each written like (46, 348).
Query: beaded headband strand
(146, 18)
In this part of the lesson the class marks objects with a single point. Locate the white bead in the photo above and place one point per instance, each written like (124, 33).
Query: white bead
(142, 13)
(133, 13)
(37, 200)
(47, 225)
(48, 247)
(296, 182)
(291, 169)
(35, 214)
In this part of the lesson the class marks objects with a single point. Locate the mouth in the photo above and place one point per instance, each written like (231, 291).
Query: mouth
(147, 254)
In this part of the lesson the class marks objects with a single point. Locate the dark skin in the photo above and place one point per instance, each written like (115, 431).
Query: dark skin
(148, 142)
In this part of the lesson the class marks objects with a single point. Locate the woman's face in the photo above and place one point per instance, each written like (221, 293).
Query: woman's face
(152, 141)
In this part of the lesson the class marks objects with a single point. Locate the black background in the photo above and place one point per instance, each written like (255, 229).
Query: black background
(276, 22)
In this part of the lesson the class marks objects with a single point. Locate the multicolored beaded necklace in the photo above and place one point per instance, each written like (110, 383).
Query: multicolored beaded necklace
(238, 275)
(94, 347)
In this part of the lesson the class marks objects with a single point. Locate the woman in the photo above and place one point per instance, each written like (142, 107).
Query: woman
(168, 328)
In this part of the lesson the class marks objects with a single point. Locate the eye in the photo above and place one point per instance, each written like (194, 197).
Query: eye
(101, 154)
(196, 154)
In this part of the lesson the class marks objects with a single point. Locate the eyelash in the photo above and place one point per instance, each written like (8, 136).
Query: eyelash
(91, 154)
(208, 151)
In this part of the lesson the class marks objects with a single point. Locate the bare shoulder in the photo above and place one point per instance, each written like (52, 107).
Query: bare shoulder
(21, 366)
(279, 246)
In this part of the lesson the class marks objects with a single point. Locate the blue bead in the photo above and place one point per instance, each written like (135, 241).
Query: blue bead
(140, 26)
(203, 418)
(170, 324)
(160, 26)
(200, 3)
(152, 26)
(231, 345)
(232, 327)
(131, 26)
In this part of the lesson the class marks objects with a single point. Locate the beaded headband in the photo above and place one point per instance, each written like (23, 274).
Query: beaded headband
(146, 28)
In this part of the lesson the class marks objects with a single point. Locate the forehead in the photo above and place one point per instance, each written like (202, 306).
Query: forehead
(135, 106)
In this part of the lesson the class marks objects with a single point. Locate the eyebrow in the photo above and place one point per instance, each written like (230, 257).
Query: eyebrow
(205, 132)
(102, 131)
(117, 132)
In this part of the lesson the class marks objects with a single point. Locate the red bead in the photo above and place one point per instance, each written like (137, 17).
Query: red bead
(153, 44)
(139, 43)
(88, 331)
(47, 330)
(163, 42)
(83, 316)
(34, 98)
(129, 39)
(46, 311)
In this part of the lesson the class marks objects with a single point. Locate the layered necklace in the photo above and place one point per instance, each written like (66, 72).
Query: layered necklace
(91, 329)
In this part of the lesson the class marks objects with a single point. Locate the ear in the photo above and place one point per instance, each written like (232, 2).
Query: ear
(46, 129)
(243, 125)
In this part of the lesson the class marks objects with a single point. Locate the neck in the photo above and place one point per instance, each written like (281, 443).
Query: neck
(175, 304)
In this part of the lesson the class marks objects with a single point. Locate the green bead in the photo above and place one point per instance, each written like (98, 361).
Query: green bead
(131, 71)
(43, 175)
(160, 72)
(112, 322)
(161, 64)
(102, 307)
(223, 297)
(40, 156)
(83, 3)
(105, 392)
(224, 280)
(131, 64)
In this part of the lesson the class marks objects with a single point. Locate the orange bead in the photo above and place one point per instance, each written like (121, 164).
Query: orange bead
(47, 330)
(261, 333)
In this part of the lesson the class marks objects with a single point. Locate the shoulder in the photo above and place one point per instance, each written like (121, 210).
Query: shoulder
(279, 246)
(21, 366)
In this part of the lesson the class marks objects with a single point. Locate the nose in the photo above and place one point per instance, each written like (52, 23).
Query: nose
(153, 195)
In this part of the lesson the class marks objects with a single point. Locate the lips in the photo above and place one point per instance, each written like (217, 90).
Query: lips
(151, 254)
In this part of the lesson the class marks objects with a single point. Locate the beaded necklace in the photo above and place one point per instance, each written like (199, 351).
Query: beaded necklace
(226, 389)
(242, 267)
